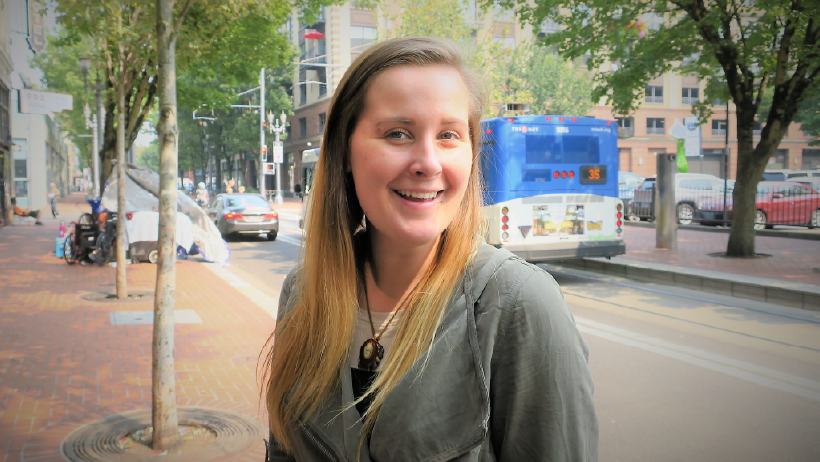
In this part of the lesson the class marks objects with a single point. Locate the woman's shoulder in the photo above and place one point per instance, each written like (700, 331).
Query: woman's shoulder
(508, 282)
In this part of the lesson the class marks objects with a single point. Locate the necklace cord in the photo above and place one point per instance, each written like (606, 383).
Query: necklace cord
(377, 336)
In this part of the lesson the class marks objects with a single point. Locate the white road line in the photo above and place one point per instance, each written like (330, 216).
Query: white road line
(739, 369)
(266, 303)
(289, 216)
(297, 241)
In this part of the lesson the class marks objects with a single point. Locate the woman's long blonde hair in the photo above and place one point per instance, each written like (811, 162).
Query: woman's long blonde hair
(311, 343)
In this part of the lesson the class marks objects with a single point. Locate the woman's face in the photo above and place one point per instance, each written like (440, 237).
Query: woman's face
(411, 155)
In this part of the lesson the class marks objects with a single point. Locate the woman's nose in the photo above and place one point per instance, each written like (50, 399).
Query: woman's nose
(425, 161)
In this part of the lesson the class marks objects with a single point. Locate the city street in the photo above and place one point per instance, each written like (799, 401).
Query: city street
(680, 375)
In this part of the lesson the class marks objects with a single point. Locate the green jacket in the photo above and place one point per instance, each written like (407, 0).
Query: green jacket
(507, 380)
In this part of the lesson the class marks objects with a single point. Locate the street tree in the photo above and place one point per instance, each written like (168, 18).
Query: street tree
(235, 130)
(554, 85)
(220, 41)
(739, 48)
(447, 19)
(163, 402)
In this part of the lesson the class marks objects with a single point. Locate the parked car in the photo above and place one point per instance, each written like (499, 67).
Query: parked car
(244, 213)
(812, 182)
(790, 174)
(690, 190)
(778, 203)
(627, 182)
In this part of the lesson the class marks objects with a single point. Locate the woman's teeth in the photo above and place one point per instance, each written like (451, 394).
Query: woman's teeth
(418, 195)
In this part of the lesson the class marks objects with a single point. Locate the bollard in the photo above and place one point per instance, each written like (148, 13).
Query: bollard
(666, 213)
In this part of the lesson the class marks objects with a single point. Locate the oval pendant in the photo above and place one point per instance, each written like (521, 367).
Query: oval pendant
(370, 354)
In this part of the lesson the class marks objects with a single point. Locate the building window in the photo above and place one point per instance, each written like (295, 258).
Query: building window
(20, 170)
(689, 95)
(654, 126)
(757, 128)
(625, 122)
(718, 127)
(5, 121)
(302, 127)
(626, 127)
(322, 119)
(361, 36)
(654, 94)
(302, 95)
(718, 102)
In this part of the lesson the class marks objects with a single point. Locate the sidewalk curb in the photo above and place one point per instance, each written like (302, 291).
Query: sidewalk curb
(811, 236)
(792, 294)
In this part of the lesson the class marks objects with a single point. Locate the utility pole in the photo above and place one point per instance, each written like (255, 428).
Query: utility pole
(262, 151)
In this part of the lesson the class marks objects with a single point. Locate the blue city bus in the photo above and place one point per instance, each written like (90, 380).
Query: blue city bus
(552, 186)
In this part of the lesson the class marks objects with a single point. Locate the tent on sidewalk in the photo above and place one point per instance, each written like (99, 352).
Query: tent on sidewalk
(142, 194)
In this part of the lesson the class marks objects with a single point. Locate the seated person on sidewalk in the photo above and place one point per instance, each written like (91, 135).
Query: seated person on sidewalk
(26, 212)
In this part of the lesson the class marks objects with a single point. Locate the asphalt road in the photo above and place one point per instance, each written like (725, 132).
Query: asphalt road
(680, 375)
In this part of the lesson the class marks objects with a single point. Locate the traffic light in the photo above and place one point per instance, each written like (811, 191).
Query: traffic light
(264, 153)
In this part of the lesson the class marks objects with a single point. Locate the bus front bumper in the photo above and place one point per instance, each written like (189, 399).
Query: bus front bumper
(568, 250)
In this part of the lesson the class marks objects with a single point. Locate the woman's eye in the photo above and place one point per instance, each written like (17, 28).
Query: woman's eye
(397, 135)
(449, 136)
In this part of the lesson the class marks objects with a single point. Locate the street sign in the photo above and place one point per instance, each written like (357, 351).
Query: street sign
(43, 102)
(264, 153)
(278, 152)
(269, 168)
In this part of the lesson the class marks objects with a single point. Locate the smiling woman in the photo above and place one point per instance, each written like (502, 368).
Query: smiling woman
(400, 334)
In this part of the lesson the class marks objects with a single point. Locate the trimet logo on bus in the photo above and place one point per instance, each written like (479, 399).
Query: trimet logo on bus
(524, 129)
(561, 129)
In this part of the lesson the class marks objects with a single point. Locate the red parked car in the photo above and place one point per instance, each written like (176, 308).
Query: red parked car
(778, 203)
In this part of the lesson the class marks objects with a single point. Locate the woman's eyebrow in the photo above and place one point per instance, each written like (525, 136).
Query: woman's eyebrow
(454, 120)
(401, 120)
(408, 121)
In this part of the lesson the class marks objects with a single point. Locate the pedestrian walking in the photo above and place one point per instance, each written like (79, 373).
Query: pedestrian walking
(401, 335)
(54, 197)
(202, 197)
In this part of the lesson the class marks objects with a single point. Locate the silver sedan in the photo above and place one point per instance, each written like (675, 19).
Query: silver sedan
(244, 214)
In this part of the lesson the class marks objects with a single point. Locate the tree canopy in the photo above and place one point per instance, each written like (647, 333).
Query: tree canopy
(740, 48)
(523, 73)
(222, 42)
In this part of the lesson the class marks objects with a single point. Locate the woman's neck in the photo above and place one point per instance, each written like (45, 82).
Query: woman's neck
(393, 270)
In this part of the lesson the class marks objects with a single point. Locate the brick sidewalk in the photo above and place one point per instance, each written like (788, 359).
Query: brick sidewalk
(62, 362)
(791, 259)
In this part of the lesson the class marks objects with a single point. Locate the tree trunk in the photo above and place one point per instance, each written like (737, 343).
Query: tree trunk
(248, 173)
(163, 396)
(122, 281)
(751, 162)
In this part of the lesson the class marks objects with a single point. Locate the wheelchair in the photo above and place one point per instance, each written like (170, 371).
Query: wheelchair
(89, 242)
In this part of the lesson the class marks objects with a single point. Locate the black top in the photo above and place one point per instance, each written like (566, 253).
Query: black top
(361, 380)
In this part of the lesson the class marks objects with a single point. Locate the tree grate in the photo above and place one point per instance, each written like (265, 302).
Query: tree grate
(98, 441)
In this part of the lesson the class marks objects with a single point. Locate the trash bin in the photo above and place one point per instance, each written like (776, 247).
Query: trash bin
(59, 246)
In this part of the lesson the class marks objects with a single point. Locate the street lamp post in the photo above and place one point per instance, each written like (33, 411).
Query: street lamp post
(278, 150)
(97, 125)
(262, 146)
(95, 158)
